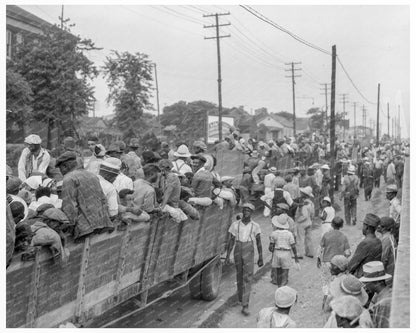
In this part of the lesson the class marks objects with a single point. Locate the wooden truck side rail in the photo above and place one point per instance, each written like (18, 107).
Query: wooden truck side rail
(107, 269)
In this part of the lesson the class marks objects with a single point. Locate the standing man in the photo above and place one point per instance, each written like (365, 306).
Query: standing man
(395, 208)
(34, 158)
(133, 161)
(391, 173)
(350, 191)
(268, 184)
(242, 234)
(303, 219)
(388, 243)
(369, 249)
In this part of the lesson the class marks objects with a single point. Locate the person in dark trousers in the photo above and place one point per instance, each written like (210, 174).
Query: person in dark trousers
(349, 193)
(369, 249)
(242, 234)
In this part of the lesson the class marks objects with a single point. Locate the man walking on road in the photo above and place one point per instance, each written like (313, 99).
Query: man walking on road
(242, 235)
(303, 219)
(350, 191)
(369, 249)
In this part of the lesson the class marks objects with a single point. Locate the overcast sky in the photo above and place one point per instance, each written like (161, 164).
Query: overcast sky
(372, 43)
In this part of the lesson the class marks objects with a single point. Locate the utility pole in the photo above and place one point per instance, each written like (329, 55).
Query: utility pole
(355, 121)
(344, 101)
(157, 100)
(62, 17)
(388, 120)
(326, 109)
(332, 131)
(399, 129)
(293, 69)
(393, 128)
(378, 114)
(217, 37)
(364, 117)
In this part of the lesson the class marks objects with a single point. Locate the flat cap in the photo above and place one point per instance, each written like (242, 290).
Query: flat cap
(372, 220)
(199, 157)
(33, 139)
(249, 206)
(391, 188)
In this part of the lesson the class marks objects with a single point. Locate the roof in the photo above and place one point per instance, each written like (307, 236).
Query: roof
(22, 15)
(301, 123)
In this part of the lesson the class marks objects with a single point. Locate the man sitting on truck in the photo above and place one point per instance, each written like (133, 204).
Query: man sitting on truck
(242, 235)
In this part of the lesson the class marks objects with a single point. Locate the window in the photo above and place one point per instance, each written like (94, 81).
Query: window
(9, 44)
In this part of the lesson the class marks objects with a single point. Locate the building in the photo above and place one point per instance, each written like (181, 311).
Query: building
(279, 127)
(20, 24)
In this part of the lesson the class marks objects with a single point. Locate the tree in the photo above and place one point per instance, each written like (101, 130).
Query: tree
(129, 78)
(59, 74)
(19, 97)
(189, 119)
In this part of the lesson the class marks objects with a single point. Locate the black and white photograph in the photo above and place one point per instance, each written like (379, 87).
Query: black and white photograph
(207, 165)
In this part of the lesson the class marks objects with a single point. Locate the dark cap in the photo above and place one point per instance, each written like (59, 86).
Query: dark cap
(69, 142)
(13, 184)
(387, 222)
(65, 157)
(372, 220)
(150, 168)
(199, 157)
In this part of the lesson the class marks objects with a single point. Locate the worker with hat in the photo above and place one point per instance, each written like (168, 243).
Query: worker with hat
(327, 215)
(132, 160)
(95, 161)
(374, 278)
(278, 316)
(83, 200)
(33, 158)
(277, 195)
(268, 184)
(282, 211)
(303, 218)
(180, 164)
(243, 233)
(395, 208)
(114, 150)
(369, 249)
(199, 147)
(349, 192)
(347, 313)
(282, 243)
(109, 170)
(389, 245)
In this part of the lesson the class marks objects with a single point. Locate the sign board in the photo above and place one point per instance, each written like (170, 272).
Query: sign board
(229, 162)
(212, 127)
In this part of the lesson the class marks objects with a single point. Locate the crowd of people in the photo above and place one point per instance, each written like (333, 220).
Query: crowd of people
(63, 194)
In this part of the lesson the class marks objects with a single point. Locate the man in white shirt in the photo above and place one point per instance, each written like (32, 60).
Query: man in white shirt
(242, 234)
(268, 184)
(108, 173)
(33, 158)
(179, 165)
(391, 173)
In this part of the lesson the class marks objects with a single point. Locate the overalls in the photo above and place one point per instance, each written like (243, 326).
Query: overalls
(244, 264)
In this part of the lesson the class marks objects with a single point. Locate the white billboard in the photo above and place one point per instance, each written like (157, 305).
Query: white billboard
(212, 127)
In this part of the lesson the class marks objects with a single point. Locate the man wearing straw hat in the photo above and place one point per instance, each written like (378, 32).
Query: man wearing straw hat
(182, 154)
(349, 193)
(33, 158)
(278, 316)
(268, 187)
(303, 219)
(374, 278)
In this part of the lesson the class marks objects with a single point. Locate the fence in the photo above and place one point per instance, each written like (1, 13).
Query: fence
(400, 307)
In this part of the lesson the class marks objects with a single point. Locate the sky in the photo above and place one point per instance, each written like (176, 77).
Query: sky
(372, 43)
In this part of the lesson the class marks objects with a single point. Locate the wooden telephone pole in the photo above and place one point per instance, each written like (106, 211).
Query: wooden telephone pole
(217, 37)
(293, 69)
(332, 131)
(378, 114)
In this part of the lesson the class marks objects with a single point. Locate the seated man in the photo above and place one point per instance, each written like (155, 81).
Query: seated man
(201, 182)
(170, 186)
(144, 194)
(126, 203)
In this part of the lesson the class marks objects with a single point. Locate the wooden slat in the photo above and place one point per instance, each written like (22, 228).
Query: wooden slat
(33, 297)
(79, 307)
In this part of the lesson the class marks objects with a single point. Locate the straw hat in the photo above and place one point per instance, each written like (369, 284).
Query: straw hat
(347, 307)
(285, 297)
(182, 151)
(280, 222)
(307, 190)
(348, 285)
(374, 271)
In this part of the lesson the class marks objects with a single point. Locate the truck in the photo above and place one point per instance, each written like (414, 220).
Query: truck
(107, 269)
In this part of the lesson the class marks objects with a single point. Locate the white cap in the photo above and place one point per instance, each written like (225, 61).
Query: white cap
(33, 139)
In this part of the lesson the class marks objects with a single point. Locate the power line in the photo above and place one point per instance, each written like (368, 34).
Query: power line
(272, 23)
(352, 82)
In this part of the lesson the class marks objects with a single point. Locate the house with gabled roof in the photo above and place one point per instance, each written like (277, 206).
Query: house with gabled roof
(279, 127)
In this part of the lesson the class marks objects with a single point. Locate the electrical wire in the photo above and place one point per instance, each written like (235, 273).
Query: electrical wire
(270, 22)
(352, 82)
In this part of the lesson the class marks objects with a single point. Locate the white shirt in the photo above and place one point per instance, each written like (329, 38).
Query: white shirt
(395, 209)
(330, 213)
(110, 193)
(268, 180)
(38, 165)
(244, 233)
(181, 167)
(123, 182)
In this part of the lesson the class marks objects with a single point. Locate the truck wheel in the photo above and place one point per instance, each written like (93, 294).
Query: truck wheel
(195, 287)
(210, 280)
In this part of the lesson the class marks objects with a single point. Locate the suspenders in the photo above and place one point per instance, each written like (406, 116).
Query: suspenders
(238, 232)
